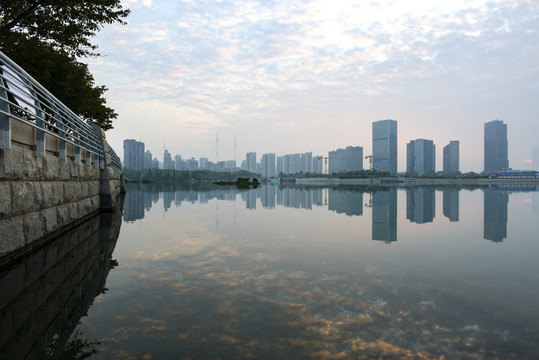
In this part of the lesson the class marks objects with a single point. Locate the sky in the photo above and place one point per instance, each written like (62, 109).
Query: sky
(311, 76)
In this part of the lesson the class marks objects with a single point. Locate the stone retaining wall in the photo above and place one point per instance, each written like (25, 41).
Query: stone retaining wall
(39, 196)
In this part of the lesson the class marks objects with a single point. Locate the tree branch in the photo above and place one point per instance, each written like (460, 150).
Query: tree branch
(10, 25)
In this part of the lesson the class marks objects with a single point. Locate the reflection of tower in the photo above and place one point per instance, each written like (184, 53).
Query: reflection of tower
(250, 199)
(168, 198)
(420, 205)
(347, 202)
(495, 215)
(134, 205)
(268, 196)
(384, 215)
(451, 204)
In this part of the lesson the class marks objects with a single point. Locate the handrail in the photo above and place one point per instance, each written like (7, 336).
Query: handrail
(22, 98)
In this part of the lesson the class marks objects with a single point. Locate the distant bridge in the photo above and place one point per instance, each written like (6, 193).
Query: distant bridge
(55, 168)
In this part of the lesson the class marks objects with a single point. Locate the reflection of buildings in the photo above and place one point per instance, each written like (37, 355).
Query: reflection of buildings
(451, 204)
(384, 215)
(168, 198)
(250, 199)
(267, 196)
(420, 205)
(495, 215)
(134, 205)
(345, 202)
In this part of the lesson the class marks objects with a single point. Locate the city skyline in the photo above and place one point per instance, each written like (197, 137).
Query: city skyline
(314, 75)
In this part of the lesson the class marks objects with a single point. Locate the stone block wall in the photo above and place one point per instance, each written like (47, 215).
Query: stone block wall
(41, 195)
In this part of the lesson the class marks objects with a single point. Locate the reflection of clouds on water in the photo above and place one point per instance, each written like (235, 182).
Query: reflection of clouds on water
(231, 303)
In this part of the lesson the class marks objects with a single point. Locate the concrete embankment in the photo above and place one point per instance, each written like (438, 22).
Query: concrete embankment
(42, 196)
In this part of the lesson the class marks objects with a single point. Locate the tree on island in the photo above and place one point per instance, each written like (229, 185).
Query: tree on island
(45, 38)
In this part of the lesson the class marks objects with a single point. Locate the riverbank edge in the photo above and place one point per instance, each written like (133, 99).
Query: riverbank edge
(415, 181)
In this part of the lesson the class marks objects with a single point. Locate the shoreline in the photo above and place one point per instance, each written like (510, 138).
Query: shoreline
(415, 181)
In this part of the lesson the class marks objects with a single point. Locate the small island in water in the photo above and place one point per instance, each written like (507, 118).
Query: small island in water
(241, 183)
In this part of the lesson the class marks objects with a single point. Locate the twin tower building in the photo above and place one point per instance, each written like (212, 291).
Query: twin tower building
(421, 153)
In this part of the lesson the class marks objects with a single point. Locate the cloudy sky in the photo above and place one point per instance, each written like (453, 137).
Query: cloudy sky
(297, 76)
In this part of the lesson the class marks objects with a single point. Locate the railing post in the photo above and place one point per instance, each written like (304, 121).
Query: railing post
(76, 140)
(5, 121)
(62, 145)
(40, 122)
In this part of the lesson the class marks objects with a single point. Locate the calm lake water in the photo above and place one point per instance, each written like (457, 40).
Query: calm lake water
(322, 273)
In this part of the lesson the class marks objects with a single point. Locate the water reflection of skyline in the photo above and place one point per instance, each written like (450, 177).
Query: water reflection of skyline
(420, 204)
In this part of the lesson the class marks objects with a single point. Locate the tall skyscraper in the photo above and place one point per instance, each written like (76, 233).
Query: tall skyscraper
(451, 157)
(420, 157)
(268, 165)
(535, 158)
(384, 146)
(496, 154)
(250, 161)
(133, 154)
(318, 164)
(167, 161)
(147, 159)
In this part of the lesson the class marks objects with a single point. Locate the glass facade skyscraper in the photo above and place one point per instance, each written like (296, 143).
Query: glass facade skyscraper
(451, 157)
(496, 157)
(420, 157)
(384, 146)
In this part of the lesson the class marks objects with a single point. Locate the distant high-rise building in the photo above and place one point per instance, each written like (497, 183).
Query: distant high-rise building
(318, 164)
(280, 165)
(384, 146)
(192, 164)
(496, 153)
(451, 157)
(349, 159)
(535, 158)
(250, 161)
(204, 162)
(420, 157)
(168, 164)
(179, 164)
(292, 164)
(307, 162)
(155, 163)
(147, 159)
(133, 154)
(268, 165)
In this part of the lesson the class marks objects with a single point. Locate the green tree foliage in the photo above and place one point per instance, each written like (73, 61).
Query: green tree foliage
(65, 25)
(45, 37)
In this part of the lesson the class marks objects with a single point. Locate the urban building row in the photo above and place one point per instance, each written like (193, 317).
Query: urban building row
(420, 156)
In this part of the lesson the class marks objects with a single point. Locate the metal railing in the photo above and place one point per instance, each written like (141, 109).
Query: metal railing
(23, 99)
